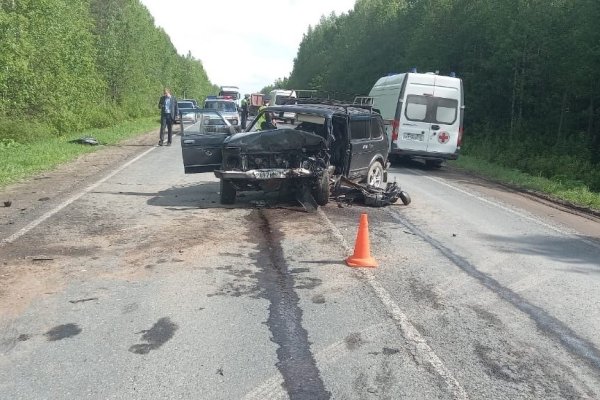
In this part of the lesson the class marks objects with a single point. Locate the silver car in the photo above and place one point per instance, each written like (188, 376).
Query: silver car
(227, 108)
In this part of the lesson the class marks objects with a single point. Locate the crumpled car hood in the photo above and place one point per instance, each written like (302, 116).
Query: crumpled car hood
(278, 140)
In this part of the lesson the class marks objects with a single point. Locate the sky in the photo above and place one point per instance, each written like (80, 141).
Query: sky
(243, 43)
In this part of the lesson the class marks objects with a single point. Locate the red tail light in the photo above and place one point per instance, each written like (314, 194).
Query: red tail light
(395, 127)
(460, 135)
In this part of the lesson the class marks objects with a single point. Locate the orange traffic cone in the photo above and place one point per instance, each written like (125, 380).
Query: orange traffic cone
(362, 249)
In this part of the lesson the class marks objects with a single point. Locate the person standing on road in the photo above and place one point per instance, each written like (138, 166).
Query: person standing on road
(168, 110)
(245, 110)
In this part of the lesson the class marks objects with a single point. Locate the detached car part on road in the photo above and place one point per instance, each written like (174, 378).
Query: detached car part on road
(325, 142)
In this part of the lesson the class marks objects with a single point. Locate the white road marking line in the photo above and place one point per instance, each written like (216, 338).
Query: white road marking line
(70, 200)
(422, 350)
(512, 211)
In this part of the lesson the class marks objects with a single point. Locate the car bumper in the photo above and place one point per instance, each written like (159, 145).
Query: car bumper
(424, 154)
(266, 174)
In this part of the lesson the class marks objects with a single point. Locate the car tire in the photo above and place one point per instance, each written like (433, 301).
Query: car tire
(405, 198)
(321, 192)
(433, 164)
(228, 192)
(375, 175)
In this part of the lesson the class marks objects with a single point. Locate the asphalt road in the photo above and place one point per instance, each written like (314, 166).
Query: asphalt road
(135, 283)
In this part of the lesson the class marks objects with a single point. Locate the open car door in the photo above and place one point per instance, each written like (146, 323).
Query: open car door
(202, 142)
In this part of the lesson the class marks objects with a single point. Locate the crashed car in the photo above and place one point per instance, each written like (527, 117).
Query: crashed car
(324, 142)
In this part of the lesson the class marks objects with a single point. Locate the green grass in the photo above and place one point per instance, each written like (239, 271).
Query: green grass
(569, 191)
(22, 160)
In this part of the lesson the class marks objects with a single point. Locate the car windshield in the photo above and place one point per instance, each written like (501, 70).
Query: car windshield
(227, 106)
(185, 104)
(303, 122)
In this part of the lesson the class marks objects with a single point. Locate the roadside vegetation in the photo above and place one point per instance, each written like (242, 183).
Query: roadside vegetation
(531, 72)
(20, 159)
(72, 65)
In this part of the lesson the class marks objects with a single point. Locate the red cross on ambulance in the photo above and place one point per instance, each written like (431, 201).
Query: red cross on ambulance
(443, 137)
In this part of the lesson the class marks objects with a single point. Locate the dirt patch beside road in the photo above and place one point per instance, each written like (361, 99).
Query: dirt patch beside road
(31, 196)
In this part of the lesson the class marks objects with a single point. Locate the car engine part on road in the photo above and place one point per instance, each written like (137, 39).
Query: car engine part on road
(347, 192)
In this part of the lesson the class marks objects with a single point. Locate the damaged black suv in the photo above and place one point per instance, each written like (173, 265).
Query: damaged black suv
(325, 142)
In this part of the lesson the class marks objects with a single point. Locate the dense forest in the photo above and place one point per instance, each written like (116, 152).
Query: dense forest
(67, 65)
(531, 71)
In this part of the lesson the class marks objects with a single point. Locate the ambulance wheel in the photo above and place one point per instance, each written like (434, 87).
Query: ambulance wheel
(433, 163)
(227, 192)
(405, 198)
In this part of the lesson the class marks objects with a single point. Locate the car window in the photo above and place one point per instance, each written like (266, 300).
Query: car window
(207, 123)
(376, 128)
(185, 104)
(359, 129)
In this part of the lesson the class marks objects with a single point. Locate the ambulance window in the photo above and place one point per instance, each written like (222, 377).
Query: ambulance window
(416, 107)
(359, 129)
(446, 111)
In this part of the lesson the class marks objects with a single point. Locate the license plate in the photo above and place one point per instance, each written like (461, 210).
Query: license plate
(413, 136)
(267, 174)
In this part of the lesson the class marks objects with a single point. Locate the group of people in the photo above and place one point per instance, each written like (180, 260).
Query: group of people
(167, 104)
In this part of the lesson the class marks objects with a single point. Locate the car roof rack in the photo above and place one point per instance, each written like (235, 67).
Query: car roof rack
(331, 102)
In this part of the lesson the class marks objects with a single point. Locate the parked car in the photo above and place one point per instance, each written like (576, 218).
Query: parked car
(201, 142)
(187, 111)
(194, 101)
(424, 114)
(325, 142)
(226, 106)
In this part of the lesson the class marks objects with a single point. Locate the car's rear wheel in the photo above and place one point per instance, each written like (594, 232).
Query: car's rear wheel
(375, 176)
(228, 192)
(321, 192)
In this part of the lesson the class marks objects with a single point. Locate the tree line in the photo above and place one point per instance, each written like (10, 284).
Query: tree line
(531, 71)
(68, 65)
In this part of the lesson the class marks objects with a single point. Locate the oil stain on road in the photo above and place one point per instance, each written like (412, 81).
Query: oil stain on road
(160, 333)
(62, 332)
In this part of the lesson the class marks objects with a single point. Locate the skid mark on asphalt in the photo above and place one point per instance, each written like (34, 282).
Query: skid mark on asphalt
(160, 333)
(272, 389)
(419, 347)
(297, 366)
(576, 345)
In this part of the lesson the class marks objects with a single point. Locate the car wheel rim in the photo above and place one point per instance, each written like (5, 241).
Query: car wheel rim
(375, 176)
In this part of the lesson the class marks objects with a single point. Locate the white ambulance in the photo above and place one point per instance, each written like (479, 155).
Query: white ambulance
(423, 113)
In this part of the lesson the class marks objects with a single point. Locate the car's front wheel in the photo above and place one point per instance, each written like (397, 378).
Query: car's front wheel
(375, 176)
(321, 191)
(228, 192)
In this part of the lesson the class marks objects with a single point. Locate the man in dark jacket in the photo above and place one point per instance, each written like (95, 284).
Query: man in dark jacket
(168, 112)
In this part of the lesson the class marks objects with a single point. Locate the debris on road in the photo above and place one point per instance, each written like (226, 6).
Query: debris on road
(347, 192)
(7, 203)
(86, 140)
